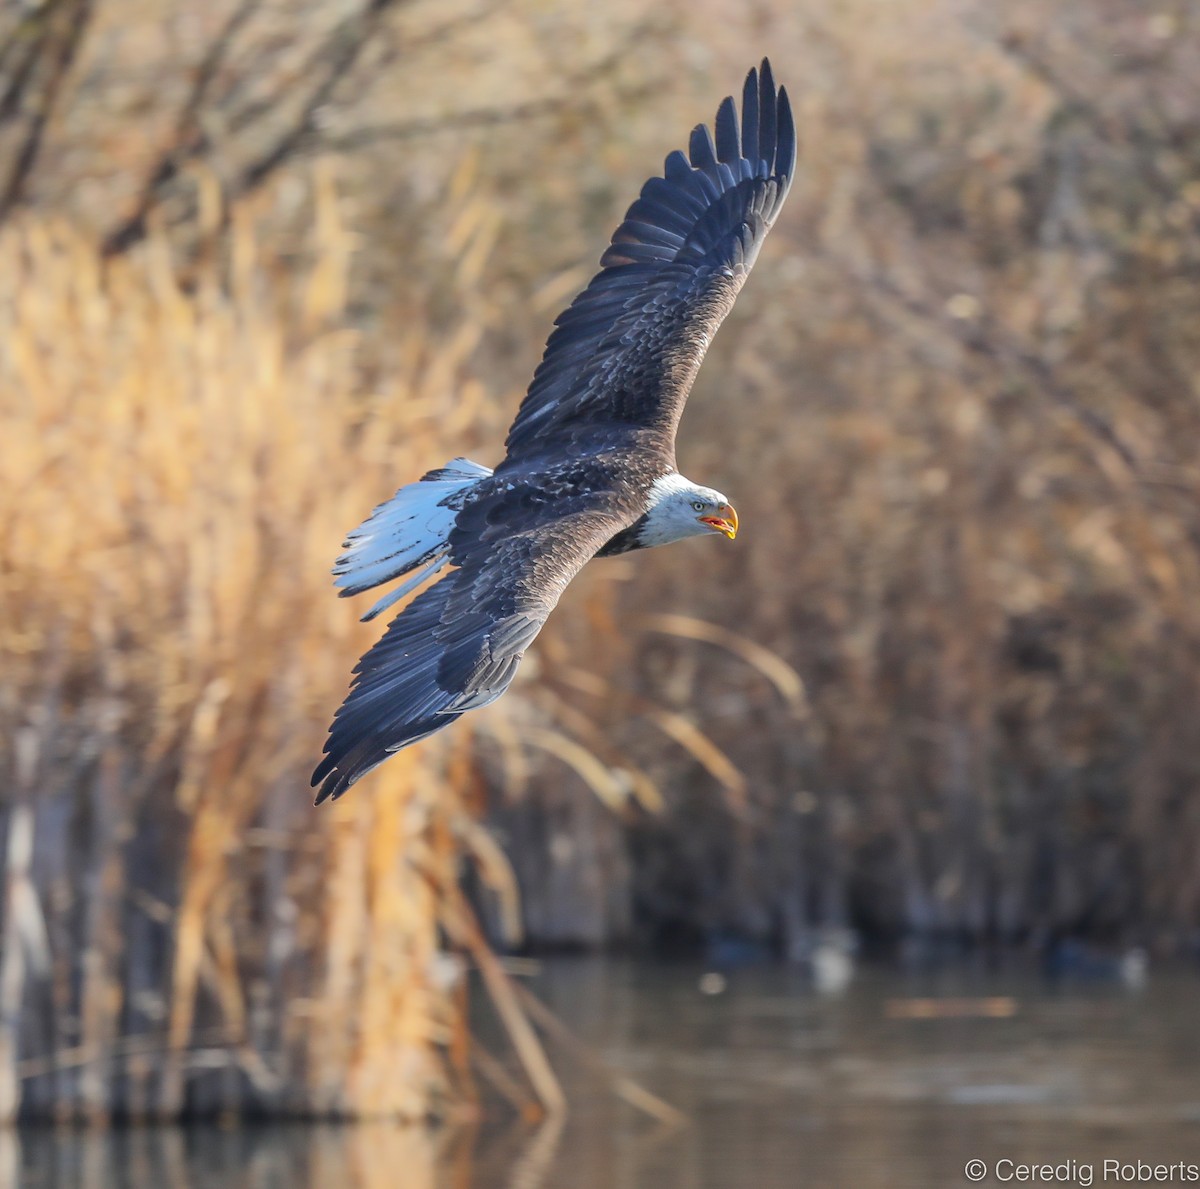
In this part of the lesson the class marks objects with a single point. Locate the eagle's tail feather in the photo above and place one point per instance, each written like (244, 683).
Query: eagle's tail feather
(409, 532)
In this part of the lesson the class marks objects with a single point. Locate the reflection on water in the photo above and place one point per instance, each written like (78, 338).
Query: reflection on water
(875, 1087)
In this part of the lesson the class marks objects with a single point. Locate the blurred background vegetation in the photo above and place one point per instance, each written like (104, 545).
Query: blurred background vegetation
(263, 261)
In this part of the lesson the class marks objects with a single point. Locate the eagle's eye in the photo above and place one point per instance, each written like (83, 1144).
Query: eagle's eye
(699, 505)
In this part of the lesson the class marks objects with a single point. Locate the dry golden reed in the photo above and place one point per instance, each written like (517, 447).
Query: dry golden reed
(180, 461)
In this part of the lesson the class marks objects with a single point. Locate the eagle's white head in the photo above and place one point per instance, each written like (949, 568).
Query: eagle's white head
(677, 508)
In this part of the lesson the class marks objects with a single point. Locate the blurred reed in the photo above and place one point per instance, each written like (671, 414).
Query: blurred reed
(180, 460)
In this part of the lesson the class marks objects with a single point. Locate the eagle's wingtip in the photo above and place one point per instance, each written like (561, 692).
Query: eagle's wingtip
(785, 154)
(329, 788)
(324, 774)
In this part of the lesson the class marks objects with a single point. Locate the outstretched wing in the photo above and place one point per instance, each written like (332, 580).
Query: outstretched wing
(624, 354)
(457, 645)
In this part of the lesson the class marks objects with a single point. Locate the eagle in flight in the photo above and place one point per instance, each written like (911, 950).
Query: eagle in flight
(590, 463)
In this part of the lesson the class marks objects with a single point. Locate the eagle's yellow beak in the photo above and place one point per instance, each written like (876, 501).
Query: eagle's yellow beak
(725, 521)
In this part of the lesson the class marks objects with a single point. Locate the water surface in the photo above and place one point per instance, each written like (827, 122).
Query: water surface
(900, 1080)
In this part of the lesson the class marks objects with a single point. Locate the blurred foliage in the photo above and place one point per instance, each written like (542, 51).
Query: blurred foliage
(171, 893)
(262, 262)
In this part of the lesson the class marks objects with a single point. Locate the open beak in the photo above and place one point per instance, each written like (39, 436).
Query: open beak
(725, 521)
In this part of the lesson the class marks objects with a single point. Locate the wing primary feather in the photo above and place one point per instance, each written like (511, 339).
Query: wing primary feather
(766, 114)
(729, 142)
(658, 214)
(675, 166)
(704, 187)
(701, 149)
(785, 155)
(675, 194)
(630, 253)
(750, 142)
(634, 231)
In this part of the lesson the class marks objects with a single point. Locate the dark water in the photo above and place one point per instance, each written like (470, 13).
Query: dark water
(898, 1081)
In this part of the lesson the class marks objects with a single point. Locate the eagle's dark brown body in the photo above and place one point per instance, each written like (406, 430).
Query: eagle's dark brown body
(615, 485)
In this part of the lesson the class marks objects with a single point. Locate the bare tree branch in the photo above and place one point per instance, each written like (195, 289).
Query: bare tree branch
(994, 343)
(188, 141)
(27, 36)
(55, 48)
(486, 117)
(344, 47)
(330, 62)
(479, 117)
(1107, 127)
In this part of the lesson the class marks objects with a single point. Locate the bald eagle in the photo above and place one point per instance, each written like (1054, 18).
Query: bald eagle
(590, 463)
